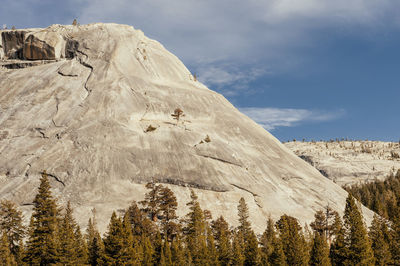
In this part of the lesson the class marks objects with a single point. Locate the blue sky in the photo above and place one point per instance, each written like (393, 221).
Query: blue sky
(313, 69)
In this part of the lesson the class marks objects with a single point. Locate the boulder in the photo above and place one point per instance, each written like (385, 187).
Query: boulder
(44, 45)
(13, 42)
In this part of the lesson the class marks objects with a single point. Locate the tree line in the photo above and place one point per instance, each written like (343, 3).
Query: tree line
(381, 196)
(151, 233)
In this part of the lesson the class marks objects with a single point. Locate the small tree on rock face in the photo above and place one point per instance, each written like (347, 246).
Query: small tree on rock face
(178, 113)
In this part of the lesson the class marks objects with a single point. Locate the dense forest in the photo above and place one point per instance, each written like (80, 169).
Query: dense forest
(151, 233)
(381, 196)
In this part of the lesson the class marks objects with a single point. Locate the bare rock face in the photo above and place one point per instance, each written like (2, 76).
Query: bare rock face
(102, 122)
(350, 162)
(13, 42)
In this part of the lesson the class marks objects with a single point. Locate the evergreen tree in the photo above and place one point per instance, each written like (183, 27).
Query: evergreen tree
(81, 249)
(238, 249)
(212, 257)
(167, 253)
(222, 234)
(251, 252)
(243, 213)
(293, 241)
(271, 246)
(67, 248)
(140, 224)
(177, 252)
(11, 223)
(95, 245)
(320, 251)
(395, 243)
(339, 252)
(360, 252)
(380, 247)
(195, 230)
(168, 206)
(148, 252)
(151, 202)
(42, 243)
(128, 253)
(118, 242)
(6, 258)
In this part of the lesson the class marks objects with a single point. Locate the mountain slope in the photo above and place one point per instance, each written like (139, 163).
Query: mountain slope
(93, 106)
(350, 162)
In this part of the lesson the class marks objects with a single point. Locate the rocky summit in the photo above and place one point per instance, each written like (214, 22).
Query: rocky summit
(104, 110)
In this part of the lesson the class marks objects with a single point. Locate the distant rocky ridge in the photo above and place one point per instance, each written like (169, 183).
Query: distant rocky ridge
(93, 105)
(349, 162)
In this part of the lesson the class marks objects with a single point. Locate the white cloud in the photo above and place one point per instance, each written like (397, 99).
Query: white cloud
(222, 76)
(271, 118)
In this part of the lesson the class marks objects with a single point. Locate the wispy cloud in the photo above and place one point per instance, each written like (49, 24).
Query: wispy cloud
(224, 76)
(271, 118)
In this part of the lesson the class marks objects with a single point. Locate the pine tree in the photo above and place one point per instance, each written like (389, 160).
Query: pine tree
(238, 249)
(95, 245)
(339, 252)
(11, 223)
(293, 241)
(6, 258)
(195, 230)
(81, 249)
(177, 252)
(380, 247)
(167, 253)
(360, 252)
(128, 253)
(148, 251)
(271, 247)
(212, 256)
(118, 242)
(67, 248)
(243, 213)
(151, 202)
(140, 224)
(222, 234)
(167, 207)
(395, 243)
(251, 252)
(320, 251)
(42, 243)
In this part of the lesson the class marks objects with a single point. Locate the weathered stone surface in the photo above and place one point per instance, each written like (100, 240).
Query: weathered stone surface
(1, 49)
(350, 162)
(85, 121)
(44, 45)
(13, 42)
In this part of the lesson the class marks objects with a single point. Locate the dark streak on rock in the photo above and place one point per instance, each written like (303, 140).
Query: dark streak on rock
(55, 177)
(219, 159)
